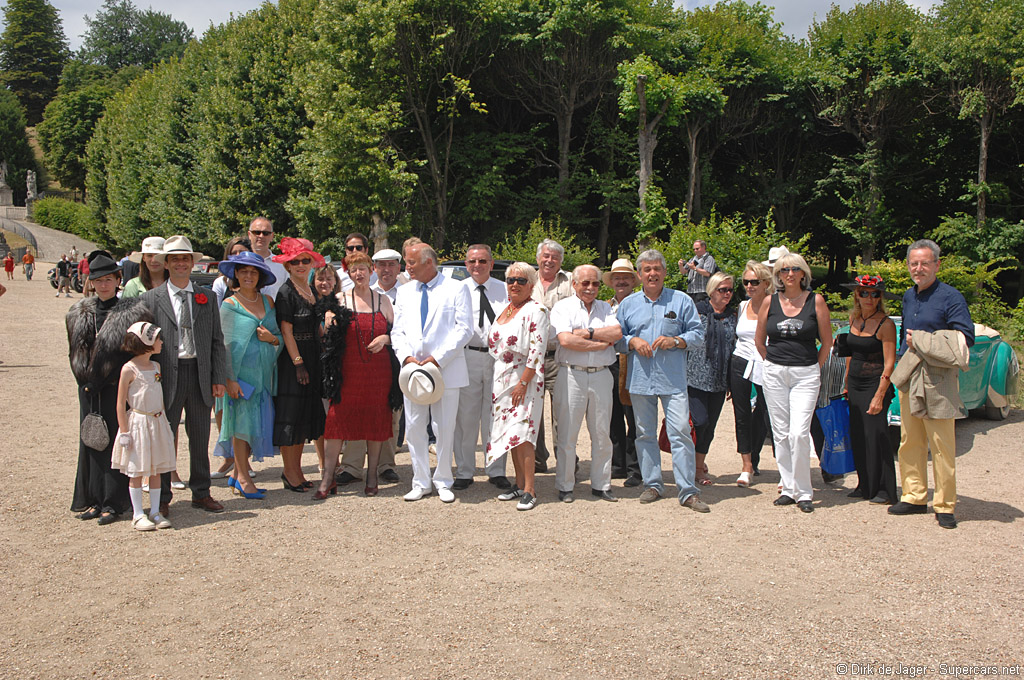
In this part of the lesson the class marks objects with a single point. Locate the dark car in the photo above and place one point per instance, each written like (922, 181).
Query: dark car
(456, 269)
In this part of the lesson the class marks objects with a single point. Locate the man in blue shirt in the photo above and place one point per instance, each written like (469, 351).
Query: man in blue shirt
(658, 326)
(928, 307)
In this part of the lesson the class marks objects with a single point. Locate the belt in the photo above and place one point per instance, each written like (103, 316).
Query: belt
(477, 349)
(146, 413)
(587, 369)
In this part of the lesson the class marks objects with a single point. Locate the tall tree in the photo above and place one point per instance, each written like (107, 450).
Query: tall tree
(14, 147)
(977, 44)
(32, 53)
(122, 35)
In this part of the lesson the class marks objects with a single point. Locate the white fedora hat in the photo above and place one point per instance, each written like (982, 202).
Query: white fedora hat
(150, 244)
(421, 384)
(179, 245)
(774, 254)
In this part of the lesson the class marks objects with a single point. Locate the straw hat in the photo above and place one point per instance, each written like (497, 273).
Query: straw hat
(624, 266)
(178, 245)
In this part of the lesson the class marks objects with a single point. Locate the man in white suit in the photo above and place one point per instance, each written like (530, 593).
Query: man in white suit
(433, 323)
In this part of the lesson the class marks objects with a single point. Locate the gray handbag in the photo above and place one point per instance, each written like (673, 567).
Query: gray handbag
(94, 432)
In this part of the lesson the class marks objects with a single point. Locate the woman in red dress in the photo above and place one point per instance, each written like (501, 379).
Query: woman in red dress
(357, 347)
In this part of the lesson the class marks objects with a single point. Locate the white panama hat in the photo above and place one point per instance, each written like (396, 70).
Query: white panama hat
(421, 384)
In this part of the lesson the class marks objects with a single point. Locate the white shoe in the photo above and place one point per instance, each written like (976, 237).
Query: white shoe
(417, 493)
(743, 479)
(160, 521)
(221, 474)
(145, 487)
(433, 449)
(445, 494)
(143, 523)
(57, 295)
(178, 485)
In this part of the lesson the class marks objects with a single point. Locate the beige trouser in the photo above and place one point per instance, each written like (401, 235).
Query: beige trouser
(917, 435)
(353, 455)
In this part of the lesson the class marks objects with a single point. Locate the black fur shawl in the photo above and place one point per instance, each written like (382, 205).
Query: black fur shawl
(333, 349)
(95, 358)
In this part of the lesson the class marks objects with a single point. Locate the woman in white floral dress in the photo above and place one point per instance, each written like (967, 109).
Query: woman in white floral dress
(518, 339)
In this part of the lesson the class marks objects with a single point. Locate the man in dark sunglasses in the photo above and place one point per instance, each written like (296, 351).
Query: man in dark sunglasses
(261, 235)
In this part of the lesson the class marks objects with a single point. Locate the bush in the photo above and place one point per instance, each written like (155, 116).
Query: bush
(67, 216)
(522, 245)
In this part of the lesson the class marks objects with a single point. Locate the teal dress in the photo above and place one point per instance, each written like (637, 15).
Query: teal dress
(253, 363)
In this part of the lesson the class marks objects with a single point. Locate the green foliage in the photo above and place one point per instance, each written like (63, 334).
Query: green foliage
(122, 35)
(67, 216)
(32, 52)
(732, 241)
(14, 147)
(522, 245)
(998, 239)
(1015, 324)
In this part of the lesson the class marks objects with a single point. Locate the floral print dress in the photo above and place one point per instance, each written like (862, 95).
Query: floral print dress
(516, 346)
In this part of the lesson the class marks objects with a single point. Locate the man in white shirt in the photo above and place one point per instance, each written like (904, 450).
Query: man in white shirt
(387, 265)
(489, 297)
(433, 323)
(261, 235)
(586, 329)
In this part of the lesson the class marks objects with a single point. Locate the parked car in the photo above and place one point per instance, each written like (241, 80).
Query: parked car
(456, 269)
(76, 283)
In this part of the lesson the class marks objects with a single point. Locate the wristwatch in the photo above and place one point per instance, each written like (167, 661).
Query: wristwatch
(591, 331)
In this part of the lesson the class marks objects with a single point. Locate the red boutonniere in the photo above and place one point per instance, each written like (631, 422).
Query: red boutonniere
(158, 376)
(201, 299)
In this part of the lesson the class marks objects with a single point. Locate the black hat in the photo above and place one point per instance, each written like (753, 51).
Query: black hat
(101, 263)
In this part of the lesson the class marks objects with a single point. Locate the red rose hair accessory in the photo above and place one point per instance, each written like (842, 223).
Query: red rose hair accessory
(292, 248)
(868, 281)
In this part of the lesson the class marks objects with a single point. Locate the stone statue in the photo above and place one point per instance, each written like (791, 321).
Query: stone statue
(30, 185)
(3, 173)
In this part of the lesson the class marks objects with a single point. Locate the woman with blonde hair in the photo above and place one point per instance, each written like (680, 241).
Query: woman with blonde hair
(790, 325)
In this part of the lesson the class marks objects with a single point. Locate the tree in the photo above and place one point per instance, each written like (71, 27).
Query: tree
(121, 35)
(978, 43)
(32, 53)
(14, 147)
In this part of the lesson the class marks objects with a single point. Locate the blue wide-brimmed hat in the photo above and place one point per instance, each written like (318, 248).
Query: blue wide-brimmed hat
(247, 259)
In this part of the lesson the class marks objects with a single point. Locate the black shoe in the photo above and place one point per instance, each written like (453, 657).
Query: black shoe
(946, 520)
(805, 506)
(390, 476)
(604, 495)
(565, 496)
(856, 493)
(91, 513)
(500, 481)
(633, 480)
(540, 466)
(345, 477)
(881, 499)
(902, 508)
(757, 473)
(461, 484)
(297, 488)
(829, 478)
(109, 518)
(784, 500)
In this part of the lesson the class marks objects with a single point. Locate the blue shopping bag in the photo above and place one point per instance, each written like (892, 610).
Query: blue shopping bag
(837, 453)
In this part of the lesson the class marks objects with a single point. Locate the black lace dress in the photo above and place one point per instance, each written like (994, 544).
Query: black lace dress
(869, 434)
(298, 409)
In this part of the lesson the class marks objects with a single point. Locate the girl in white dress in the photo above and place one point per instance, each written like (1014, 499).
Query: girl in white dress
(144, 445)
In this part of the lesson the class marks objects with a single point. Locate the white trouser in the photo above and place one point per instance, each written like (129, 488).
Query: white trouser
(442, 419)
(791, 393)
(474, 417)
(578, 393)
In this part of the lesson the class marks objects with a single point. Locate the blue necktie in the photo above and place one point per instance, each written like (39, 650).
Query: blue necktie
(423, 306)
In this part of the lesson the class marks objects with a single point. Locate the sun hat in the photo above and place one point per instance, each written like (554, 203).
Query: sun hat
(145, 331)
(869, 281)
(178, 245)
(386, 254)
(100, 264)
(774, 254)
(247, 259)
(421, 384)
(621, 266)
(150, 244)
(292, 247)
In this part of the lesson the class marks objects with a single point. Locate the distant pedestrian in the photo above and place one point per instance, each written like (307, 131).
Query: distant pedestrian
(9, 266)
(28, 261)
(64, 276)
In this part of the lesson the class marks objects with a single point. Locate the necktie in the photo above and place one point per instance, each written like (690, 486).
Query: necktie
(423, 306)
(485, 307)
(185, 323)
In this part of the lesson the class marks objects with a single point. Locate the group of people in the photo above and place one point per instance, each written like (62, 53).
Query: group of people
(28, 265)
(289, 349)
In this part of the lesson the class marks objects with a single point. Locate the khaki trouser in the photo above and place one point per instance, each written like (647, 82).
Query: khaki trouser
(353, 454)
(917, 435)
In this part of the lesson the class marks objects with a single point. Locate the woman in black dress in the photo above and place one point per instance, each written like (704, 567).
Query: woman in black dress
(96, 328)
(299, 412)
(872, 343)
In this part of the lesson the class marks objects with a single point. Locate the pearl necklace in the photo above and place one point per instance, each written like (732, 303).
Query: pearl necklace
(238, 294)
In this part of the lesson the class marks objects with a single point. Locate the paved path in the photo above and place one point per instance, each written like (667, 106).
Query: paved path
(51, 244)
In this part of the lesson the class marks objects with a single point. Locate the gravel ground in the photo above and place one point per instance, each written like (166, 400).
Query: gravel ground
(376, 587)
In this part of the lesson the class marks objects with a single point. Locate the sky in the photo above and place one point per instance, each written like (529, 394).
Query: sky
(795, 15)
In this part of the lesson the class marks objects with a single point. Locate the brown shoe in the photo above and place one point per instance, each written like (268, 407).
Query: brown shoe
(165, 509)
(207, 504)
(649, 495)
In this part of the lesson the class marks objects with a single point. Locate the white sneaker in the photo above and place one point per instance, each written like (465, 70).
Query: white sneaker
(143, 523)
(57, 295)
(160, 522)
(510, 495)
(178, 485)
(445, 494)
(416, 494)
(527, 502)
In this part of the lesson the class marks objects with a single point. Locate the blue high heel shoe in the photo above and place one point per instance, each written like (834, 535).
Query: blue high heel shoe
(259, 495)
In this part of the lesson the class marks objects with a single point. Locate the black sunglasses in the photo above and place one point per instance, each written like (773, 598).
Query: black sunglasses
(517, 280)
(261, 233)
(751, 282)
(723, 291)
(304, 260)
(355, 247)
(869, 293)
(790, 270)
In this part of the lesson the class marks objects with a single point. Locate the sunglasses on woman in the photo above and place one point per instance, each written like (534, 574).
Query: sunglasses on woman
(869, 293)
(724, 291)
(516, 280)
(304, 260)
(751, 282)
(790, 270)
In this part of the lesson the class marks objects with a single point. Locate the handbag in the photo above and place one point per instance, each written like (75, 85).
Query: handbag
(837, 451)
(93, 431)
(663, 442)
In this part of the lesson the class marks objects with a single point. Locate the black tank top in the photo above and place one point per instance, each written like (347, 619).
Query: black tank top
(866, 358)
(791, 339)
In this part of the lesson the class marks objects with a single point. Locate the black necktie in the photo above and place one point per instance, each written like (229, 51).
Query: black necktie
(485, 306)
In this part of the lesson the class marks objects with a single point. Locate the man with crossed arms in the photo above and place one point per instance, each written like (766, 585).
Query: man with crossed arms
(586, 329)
